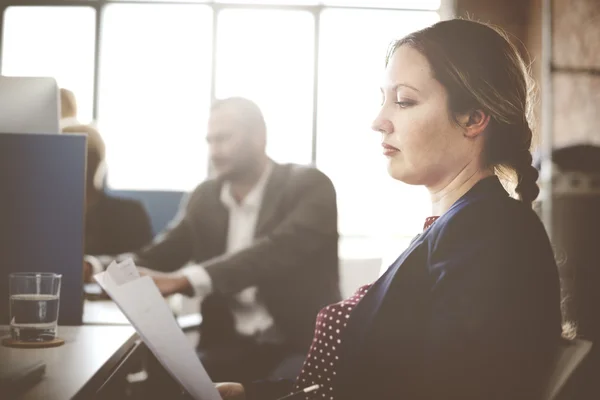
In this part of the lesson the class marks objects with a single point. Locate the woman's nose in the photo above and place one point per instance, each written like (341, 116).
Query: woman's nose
(382, 125)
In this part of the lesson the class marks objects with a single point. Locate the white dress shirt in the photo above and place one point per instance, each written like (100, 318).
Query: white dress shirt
(251, 316)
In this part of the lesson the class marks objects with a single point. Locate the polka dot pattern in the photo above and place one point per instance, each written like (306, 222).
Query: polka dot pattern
(320, 365)
(323, 356)
(428, 222)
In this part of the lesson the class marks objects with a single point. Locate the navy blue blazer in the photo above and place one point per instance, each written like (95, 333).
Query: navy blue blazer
(470, 311)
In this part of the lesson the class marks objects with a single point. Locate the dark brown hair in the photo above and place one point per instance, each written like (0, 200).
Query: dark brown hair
(482, 70)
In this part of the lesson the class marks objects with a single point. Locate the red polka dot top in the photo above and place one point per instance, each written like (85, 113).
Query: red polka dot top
(323, 356)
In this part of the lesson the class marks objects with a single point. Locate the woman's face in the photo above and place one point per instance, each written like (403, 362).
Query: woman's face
(423, 144)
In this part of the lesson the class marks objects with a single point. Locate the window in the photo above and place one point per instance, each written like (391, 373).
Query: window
(155, 94)
(268, 56)
(351, 63)
(58, 42)
(274, 2)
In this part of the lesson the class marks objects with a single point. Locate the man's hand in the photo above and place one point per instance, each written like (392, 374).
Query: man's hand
(171, 285)
(231, 391)
(168, 284)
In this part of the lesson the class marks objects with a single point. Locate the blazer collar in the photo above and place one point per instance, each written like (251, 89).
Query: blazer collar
(486, 187)
(253, 199)
(269, 199)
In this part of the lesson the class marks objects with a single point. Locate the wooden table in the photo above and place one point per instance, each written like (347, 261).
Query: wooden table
(83, 366)
(96, 358)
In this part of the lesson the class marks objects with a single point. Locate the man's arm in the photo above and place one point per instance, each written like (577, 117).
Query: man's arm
(170, 250)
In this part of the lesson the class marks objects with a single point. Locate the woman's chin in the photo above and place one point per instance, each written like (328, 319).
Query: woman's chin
(399, 173)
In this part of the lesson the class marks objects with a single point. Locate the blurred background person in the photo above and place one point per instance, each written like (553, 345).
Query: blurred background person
(68, 109)
(112, 225)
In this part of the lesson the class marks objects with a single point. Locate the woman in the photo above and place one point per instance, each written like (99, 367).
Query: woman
(471, 309)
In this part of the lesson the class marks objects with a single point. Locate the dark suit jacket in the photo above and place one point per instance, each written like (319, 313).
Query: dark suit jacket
(293, 260)
(470, 311)
(115, 225)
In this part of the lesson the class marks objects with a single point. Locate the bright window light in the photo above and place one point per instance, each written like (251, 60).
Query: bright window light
(268, 56)
(58, 42)
(351, 65)
(154, 94)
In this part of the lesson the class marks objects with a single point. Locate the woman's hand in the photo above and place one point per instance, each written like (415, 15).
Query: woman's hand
(231, 391)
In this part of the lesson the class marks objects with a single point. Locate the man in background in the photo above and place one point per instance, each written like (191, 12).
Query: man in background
(259, 243)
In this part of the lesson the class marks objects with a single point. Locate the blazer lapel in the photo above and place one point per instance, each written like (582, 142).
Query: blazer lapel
(360, 330)
(271, 198)
(367, 308)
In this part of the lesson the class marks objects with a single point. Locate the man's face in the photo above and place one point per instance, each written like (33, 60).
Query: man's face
(230, 143)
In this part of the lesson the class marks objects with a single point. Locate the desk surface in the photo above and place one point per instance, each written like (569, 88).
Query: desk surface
(106, 312)
(103, 312)
(88, 355)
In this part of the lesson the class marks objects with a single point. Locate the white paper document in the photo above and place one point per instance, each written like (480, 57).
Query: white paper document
(143, 305)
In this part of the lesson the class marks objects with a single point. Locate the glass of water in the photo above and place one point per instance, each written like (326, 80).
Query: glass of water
(34, 298)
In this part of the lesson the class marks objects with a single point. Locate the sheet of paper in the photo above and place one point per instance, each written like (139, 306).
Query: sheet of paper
(143, 305)
(123, 272)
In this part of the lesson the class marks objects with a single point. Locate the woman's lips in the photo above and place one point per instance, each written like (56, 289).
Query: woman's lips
(389, 150)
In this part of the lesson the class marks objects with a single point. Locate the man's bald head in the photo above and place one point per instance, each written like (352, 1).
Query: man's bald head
(245, 111)
(237, 136)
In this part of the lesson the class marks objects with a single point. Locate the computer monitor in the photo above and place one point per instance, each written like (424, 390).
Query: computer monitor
(29, 105)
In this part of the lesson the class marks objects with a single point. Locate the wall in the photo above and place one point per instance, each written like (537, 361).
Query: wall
(511, 15)
(576, 40)
(576, 44)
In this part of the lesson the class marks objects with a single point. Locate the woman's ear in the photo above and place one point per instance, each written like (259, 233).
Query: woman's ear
(474, 123)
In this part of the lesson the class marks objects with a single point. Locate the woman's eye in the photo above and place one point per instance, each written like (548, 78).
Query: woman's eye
(404, 104)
